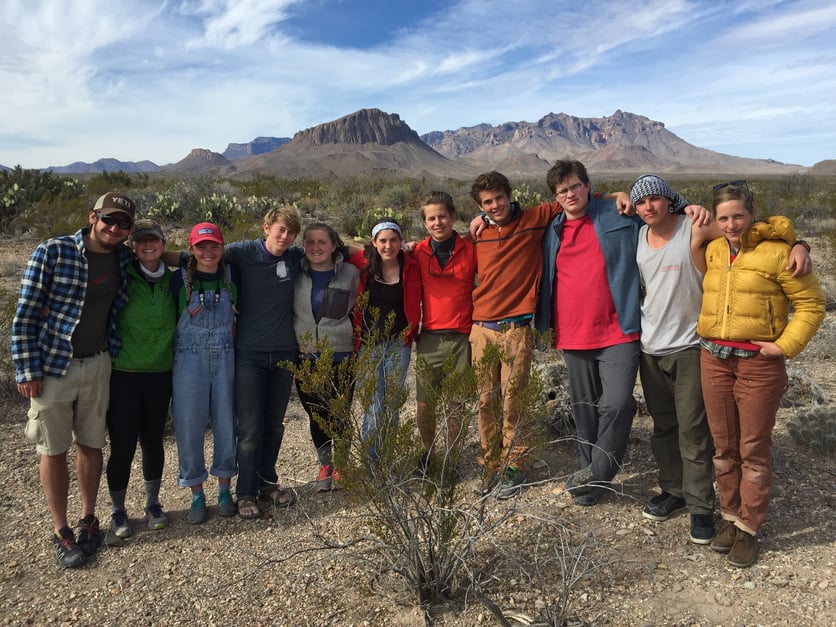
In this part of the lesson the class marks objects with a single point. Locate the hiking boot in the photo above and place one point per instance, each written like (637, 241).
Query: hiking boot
(67, 551)
(663, 506)
(702, 528)
(724, 540)
(87, 533)
(590, 497)
(487, 483)
(197, 511)
(335, 480)
(510, 483)
(120, 526)
(745, 550)
(578, 482)
(226, 506)
(155, 516)
(323, 480)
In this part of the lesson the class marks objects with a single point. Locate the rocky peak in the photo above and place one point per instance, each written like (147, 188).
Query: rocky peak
(366, 126)
(202, 154)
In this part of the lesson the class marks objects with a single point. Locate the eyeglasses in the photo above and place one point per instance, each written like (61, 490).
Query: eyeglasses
(124, 224)
(563, 193)
(738, 183)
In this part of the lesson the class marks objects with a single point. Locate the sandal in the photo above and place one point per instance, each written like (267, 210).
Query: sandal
(277, 497)
(248, 509)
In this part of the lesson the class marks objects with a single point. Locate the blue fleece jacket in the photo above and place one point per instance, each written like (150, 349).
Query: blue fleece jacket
(618, 238)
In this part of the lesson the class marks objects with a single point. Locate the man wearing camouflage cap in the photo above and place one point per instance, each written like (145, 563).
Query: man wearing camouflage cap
(63, 338)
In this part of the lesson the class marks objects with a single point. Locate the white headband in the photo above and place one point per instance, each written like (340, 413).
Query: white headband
(377, 228)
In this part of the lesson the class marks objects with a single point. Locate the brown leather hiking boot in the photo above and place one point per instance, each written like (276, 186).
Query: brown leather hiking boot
(745, 550)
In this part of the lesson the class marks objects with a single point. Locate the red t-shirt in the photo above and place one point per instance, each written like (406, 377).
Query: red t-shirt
(585, 312)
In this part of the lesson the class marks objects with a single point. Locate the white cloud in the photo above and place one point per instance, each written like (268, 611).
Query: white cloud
(138, 80)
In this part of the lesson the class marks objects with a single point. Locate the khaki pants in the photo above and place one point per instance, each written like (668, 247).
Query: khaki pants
(498, 385)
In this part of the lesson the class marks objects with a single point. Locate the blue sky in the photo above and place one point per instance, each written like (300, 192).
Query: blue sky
(86, 79)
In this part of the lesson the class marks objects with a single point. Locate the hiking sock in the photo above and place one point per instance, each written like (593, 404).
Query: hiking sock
(152, 491)
(117, 498)
(198, 494)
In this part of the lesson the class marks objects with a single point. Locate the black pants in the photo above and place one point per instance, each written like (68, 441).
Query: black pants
(325, 424)
(138, 410)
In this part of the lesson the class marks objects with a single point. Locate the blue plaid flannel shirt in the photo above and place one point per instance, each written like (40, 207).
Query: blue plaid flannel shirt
(49, 307)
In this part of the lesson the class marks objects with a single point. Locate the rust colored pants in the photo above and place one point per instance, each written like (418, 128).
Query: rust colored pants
(742, 396)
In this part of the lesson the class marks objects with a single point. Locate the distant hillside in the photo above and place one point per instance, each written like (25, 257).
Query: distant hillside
(620, 142)
(366, 142)
(828, 166)
(258, 146)
(105, 165)
(371, 142)
(199, 160)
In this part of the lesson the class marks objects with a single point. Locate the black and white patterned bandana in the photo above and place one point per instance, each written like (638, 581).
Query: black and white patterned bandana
(652, 185)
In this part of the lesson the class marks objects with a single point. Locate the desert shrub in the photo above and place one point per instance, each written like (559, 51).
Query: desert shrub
(59, 215)
(116, 181)
(21, 190)
(8, 303)
(814, 429)
(428, 539)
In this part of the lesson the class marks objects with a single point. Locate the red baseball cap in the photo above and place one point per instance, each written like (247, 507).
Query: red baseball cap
(205, 232)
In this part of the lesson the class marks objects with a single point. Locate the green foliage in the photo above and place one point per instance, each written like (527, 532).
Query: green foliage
(21, 190)
(58, 215)
(376, 214)
(526, 196)
(116, 181)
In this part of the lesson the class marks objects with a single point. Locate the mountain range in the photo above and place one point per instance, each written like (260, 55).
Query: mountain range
(372, 142)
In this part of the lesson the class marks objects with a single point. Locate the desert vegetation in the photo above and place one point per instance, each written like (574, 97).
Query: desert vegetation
(432, 544)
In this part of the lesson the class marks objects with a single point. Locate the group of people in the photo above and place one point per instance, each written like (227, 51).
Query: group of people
(696, 304)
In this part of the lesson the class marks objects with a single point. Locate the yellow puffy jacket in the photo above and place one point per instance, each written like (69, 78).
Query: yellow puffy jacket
(749, 299)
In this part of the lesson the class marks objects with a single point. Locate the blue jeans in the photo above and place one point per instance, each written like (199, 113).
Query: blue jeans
(203, 377)
(390, 362)
(262, 390)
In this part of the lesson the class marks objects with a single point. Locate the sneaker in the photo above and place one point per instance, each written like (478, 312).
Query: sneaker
(155, 516)
(197, 512)
(511, 483)
(226, 506)
(663, 506)
(120, 526)
(702, 528)
(724, 540)
(578, 482)
(745, 550)
(590, 497)
(487, 483)
(87, 533)
(336, 480)
(67, 551)
(323, 480)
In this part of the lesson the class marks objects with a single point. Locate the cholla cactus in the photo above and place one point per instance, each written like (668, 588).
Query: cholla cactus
(815, 429)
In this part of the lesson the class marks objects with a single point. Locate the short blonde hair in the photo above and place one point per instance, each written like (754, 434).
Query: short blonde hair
(288, 214)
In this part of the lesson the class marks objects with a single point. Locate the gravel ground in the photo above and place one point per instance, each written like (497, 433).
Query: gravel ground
(232, 571)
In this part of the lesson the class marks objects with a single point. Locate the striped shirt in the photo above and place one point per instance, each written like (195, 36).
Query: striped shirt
(49, 307)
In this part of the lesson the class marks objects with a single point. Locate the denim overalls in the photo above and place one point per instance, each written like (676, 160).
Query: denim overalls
(203, 376)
